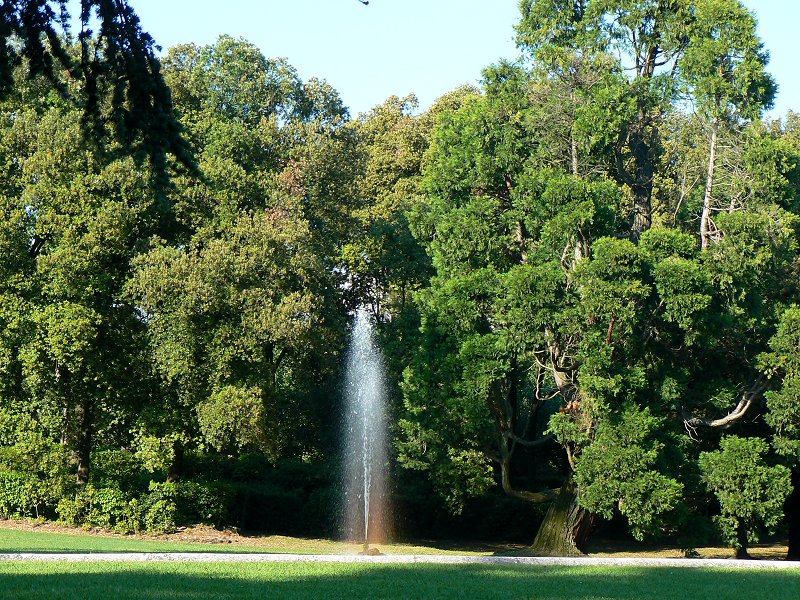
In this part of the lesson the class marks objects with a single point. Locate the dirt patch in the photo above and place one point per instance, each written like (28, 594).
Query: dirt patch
(233, 538)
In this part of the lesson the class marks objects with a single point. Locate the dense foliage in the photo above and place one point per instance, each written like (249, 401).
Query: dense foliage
(585, 277)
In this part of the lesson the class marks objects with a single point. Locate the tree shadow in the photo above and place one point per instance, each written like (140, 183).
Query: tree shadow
(120, 581)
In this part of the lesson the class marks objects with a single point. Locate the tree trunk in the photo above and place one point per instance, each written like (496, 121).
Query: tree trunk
(581, 250)
(792, 513)
(566, 526)
(574, 151)
(641, 184)
(641, 218)
(741, 542)
(84, 445)
(705, 219)
(176, 465)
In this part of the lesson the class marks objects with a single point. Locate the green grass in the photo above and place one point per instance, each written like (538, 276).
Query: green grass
(193, 581)
(18, 540)
(12, 540)
(207, 581)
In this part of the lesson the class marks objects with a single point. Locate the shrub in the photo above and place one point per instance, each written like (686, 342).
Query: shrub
(16, 494)
(34, 471)
(159, 516)
(170, 504)
(100, 507)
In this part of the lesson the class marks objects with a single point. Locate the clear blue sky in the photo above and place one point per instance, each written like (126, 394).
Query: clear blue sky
(427, 47)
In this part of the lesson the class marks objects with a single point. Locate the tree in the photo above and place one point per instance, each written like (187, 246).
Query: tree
(73, 221)
(243, 301)
(516, 319)
(751, 494)
(232, 320)
(633, 354)
(117, 75)
(724, 69)
(384, 262)
(650, 36)
(86, 211)
(783, 404)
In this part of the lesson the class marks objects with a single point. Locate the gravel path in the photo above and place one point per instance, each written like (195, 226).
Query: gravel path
(397, 558)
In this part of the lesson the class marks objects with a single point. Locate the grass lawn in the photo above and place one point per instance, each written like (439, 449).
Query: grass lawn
(12, 540)
(193, 581)
(201, 581)
(27, 536)
(24, 539)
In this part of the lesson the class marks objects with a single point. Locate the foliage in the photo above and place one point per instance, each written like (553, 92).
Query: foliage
(783, 404)
(33, 469)
(100, 507)
(616, 473)
(564, 305)
(114, 76)
(750, 493)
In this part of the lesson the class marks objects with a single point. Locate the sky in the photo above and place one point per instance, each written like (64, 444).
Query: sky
(398, 47)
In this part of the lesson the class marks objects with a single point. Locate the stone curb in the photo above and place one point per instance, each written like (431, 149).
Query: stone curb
(397, 559)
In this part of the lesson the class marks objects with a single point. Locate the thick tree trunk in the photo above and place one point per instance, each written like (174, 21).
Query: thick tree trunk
(642, 187)
(792, 513)
(705, 218)
(566, 526)
(84, 442)
(637, 170)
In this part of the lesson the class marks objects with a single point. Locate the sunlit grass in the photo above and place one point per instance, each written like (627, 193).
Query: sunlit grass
(24, 540)
(25, 537)
(193, 581)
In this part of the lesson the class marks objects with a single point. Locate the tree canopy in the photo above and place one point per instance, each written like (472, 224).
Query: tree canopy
(583, 274)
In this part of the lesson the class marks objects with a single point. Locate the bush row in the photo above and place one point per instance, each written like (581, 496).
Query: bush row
(248, 492)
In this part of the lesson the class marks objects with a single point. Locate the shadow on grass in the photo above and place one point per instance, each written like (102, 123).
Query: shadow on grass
(24, 581)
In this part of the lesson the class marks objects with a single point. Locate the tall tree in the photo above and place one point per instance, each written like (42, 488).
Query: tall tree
(724, 70)
(243, 302)
(81, 218)
(650, 37)
(516, 318)
(634, 353)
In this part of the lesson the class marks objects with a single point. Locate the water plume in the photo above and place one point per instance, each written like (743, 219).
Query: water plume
(365, 448)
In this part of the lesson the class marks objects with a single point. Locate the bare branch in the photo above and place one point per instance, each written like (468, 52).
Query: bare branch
(543, 496)
(755, 391)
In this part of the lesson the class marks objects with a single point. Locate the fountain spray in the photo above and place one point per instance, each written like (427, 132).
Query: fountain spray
(366, 451)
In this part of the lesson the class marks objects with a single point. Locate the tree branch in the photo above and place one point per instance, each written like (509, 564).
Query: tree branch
(755, 391)
(543, 496)
(529, 443)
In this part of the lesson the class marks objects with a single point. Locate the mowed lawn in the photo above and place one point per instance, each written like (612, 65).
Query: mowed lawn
(196, 581)
(14, 540)
(218, 580)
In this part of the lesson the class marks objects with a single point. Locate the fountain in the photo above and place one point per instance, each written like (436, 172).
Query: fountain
(366, 453)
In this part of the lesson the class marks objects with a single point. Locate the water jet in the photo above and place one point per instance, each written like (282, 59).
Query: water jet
(365, 448)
